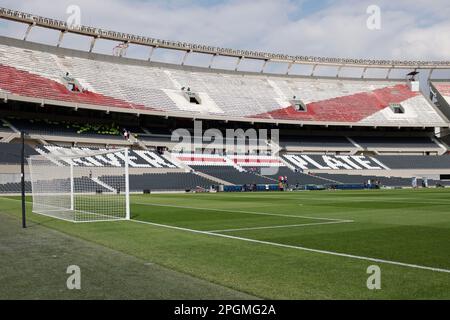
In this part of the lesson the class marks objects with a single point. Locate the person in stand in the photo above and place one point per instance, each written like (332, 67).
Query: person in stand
(126, 134)
(414, 183)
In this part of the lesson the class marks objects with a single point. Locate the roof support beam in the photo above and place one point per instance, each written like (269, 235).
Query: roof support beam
(94, 39)
(186, 55)
(61, 37)
(263, 68)
(388, 73)
(364, 73)
(28, 31)
(338, 71)
(152, 51)
(211, 62)
(238, 63)
(32, 19)
(289, 67)
(313, 70)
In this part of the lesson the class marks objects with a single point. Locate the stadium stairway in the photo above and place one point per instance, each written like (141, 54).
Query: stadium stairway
(163, 182)
(212, 178)
(300, 178)
(232, 175)
(187, 168)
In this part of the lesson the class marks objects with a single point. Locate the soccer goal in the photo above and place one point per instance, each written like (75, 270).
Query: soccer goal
(81, 186)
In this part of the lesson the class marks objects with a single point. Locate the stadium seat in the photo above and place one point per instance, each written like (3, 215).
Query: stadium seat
(140, 86)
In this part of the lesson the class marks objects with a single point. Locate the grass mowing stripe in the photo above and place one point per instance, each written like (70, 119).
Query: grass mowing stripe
(345, 255)
(279, 227)
(34, 262)
(237, 211)
(414, 234)
(384, 200)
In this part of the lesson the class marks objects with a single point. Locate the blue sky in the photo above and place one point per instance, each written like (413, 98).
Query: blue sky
(410, 29)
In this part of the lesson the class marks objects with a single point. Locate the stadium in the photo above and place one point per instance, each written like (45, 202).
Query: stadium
(203, 182)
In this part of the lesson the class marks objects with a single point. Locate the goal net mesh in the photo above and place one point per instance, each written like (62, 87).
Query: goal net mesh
(85, 186)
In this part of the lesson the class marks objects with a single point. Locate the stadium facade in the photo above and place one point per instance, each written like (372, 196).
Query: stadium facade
(334, 131)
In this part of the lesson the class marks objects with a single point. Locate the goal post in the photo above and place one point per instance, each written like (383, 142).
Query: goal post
(81, 185)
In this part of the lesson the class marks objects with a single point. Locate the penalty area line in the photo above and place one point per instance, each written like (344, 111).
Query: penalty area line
(344, 255)
(283, 226)
(238, 211)
(274, 244)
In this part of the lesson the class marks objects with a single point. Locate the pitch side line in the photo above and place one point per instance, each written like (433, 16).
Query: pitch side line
(279, 227)
(239, 211)
(401, 264)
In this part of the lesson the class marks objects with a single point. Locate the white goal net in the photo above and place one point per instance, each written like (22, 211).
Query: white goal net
(81, 186)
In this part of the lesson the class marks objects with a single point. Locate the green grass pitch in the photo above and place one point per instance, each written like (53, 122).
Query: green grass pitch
(299, 245)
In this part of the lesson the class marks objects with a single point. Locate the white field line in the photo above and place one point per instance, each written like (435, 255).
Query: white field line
(79, 222)
(367, 199)
(233, 211)
(113, 219)
(406, 200)
(238, 211)
(401, 264)
(223, 210)
(284, 226)
(407, 265)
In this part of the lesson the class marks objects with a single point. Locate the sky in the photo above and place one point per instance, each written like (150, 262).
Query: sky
(405, 30)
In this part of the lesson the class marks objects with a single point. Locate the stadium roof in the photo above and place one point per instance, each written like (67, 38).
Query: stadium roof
(97, 33)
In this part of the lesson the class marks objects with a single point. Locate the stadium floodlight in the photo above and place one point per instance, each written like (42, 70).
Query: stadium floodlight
(81, 186)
